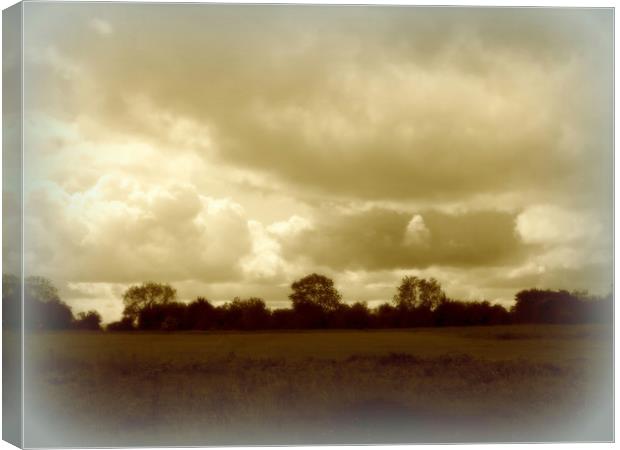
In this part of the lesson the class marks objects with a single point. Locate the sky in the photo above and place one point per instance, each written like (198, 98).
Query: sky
(230, 150)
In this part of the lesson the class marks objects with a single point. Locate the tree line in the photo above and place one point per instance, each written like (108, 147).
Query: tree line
(43, 309)
(315, 304)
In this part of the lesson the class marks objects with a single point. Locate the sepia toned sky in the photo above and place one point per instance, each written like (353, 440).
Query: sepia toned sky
(229, 150)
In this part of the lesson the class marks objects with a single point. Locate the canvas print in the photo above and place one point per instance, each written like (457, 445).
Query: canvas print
(230, 224)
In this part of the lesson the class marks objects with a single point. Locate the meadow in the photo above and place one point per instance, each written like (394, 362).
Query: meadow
(525, 383)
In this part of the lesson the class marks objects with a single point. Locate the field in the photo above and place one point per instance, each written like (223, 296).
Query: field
(478, 384)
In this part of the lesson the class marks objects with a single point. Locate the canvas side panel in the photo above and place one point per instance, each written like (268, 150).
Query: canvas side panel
(12, 217)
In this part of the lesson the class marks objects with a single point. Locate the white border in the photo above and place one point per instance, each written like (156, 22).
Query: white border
(505, 3)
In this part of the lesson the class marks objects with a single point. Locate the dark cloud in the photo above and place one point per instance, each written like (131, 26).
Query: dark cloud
(377, 240)
(357, 102)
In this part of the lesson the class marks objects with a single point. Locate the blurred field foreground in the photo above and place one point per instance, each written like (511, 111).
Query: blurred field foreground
(524, 383)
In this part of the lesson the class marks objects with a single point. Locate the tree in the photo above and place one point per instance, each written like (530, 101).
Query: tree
(415, 292)
(246, 314)
(168, 316)
(282, 319)
(315, 290)
(146, 295)
(386, 316)
(90, 320)
(40, 289)
(356, 315)
(549, 306)
(43, 307)
(125, 324)
(201, 314)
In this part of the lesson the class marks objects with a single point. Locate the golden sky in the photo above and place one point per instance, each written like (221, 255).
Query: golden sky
(229, 150)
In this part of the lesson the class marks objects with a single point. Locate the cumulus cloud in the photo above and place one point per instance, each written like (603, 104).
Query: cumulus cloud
(549, 224)
(266, 261)
(123, 231)
(416, 232)
(290, 228)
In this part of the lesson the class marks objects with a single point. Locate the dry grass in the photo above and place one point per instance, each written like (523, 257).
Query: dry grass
(440, 385)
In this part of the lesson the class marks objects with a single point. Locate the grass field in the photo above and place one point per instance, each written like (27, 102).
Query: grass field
(478, 384)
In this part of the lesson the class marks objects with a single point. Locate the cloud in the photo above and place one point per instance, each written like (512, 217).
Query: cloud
(104, 298)
(381, 239)
(101, 27)
(252, 145)
(290, 228)
(267, 262)
(549, 224)
(121, 230)
(393, 112)
(416, 232)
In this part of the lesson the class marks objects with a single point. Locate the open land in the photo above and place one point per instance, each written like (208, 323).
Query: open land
(526, 383)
